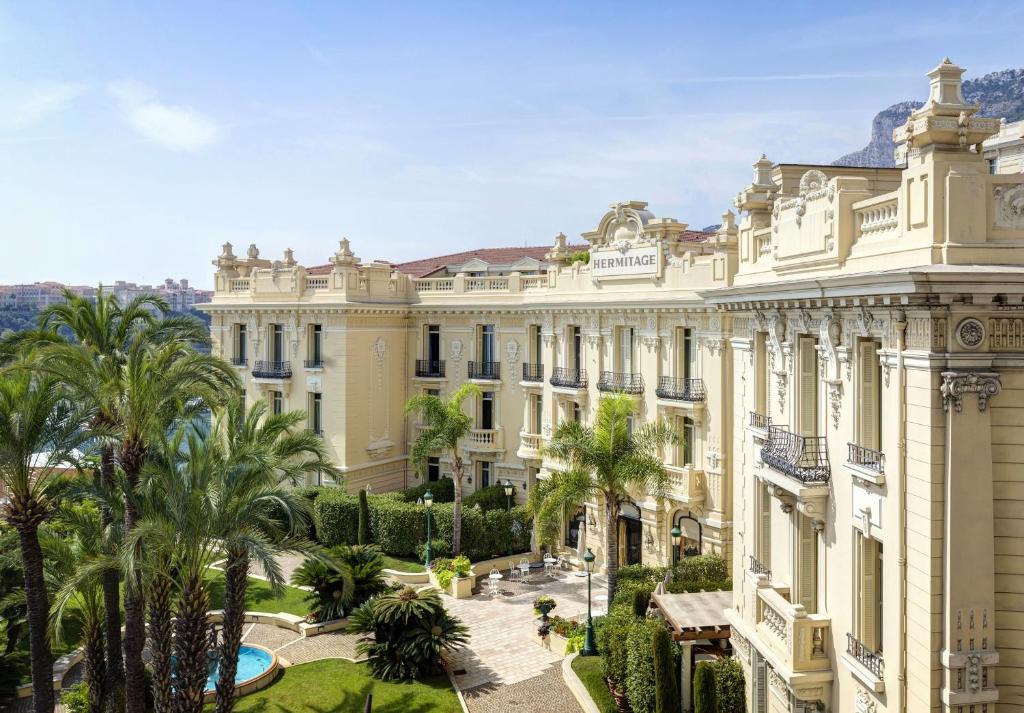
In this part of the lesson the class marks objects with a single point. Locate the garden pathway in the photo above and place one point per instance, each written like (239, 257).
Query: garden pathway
(504, 668)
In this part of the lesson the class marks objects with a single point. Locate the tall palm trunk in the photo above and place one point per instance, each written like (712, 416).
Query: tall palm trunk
(235, 586)
(132, 458)
(38, 605)
(611, 534)
(95, 664)
(161, 639)
(113, 682)
(191, 643)
(457, 472)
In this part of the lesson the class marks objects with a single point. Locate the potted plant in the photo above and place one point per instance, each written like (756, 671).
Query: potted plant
(453, 576)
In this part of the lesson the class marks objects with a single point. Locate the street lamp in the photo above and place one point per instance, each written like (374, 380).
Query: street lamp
(677, 535)
(589, 649)
(508, 495)
(428, 500)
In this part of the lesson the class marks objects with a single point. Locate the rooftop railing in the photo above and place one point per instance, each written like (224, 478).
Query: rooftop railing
(674, 389)
(272, 370)
(622, 382)
(567, 378)
(802, 457)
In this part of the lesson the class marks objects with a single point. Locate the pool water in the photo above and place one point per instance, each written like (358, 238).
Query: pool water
(251, 663)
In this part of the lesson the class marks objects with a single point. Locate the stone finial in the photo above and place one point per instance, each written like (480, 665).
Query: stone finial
(253, 252)
(560, 251)
(344, 255)
(728, 222)
(226, 253)
(758, 195)
(763, 172)
(289, 257)
(946, 85)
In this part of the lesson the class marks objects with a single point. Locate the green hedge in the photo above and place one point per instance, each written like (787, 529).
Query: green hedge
(443, 491)
(490, 498)
(730, 690)
(640, 680)
(612, 637)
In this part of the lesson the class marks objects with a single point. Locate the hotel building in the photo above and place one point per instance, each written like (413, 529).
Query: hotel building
(845, 360)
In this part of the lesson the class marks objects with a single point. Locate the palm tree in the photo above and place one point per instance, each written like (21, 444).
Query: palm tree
(69, 553)
(40, 428)
(158, 379)
(101, 332)
(258, 516)
(607, 459)
(444, 425)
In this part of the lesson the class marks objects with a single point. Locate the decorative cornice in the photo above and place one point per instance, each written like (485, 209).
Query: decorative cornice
(957, 383)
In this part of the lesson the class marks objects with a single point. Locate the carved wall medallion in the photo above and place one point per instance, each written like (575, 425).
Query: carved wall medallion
(955, 384)
(379, 349)
(1009, 206)
(512, 351)
(456, 352)
(970, 333)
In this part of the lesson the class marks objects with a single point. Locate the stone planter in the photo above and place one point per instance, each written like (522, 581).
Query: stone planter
(460, 587)
(553, 643)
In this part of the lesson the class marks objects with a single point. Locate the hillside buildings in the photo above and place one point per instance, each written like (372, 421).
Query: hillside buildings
(180, 295)
(845, 360)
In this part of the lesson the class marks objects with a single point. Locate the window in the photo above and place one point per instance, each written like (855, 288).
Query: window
(761, 373)
(276, 343)
(316, 344)
(689, 434)
(487, 348)
(807, 387)
(536, 345)
(684, 353)
(432, 343)
(433, 392)
(869, 396)
(572, 532)
(577, 412)
(764, 525)
(316, 413)
(624, 357)
(277, 402)
(484, 473)
(433, 468)
(240, 344)
(807, 564)
(576, 344)
(538, 413)
(993, 166)
(487, 410)
(868, 580)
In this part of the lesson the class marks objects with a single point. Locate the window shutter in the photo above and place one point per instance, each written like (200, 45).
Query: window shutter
(765, 550)
(808, 396)
(869, 426)
(868, 592)
(807, 563)
(760, 685)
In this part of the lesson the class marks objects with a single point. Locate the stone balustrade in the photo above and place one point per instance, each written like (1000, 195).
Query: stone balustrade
(801, 640)
(877, 216)
(686, 484)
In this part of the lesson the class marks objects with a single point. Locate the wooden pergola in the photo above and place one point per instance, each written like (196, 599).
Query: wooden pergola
(695, 616)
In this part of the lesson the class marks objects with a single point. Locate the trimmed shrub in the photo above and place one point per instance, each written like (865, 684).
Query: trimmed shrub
(704, 699)
(666, 682)
(438, 548)
(490, 498)
(363, 534)
(336, 516)
(730, 691)
(641, 602)
(75, 699)
(442, 489)
(701, 568)
(398, 528)
(612, 632)
(640, 688)
(641, 573)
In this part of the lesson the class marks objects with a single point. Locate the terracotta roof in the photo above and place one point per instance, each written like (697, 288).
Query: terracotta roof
(493, 256)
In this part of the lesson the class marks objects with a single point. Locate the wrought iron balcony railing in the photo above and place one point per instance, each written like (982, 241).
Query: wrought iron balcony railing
(871, 660)
(802, 457)
(569, 378)
(490, 370)
(760, 421)
(239, 361)
(623, 382)
(758, 567)
(314, 363)
(272, 370)
(430, 368)
(533, 372)
(866, 458)
(691, 390)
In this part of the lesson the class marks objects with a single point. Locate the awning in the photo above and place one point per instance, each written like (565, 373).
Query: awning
(695, 615)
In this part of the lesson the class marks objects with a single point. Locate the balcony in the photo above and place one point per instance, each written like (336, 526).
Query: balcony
(621, 382)
(759, 424)
(865, 464)
(756, 567)
(430, 368)
(239, 361)
(533, 373)
(565, 378)
(484, 440)
(530, 445)
(865, 656)
(689, 390)
(272, 370)
(798, 640)
(484, 370)
(802, 457)
(686, 484)
(313, 364)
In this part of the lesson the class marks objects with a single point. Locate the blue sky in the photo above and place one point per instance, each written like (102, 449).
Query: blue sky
(135, 138)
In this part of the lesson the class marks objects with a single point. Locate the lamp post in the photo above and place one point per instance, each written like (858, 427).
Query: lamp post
(508, 495)
(677, 535)
(428, 500)
(589, 649)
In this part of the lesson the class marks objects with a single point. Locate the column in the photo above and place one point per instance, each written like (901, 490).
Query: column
(686, 675)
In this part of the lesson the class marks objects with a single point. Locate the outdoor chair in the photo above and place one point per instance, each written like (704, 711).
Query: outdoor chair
(514, 574)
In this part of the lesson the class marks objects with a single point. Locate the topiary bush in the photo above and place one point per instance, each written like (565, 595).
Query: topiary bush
(730, 687)
(704, 698)
(641, 602)
(640, 688)
(363, 529)
(666, 681)
(612, 633)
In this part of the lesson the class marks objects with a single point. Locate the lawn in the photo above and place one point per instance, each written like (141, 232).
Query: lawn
(590, 669)
(341, 686)
(259, 597)
(402, 565)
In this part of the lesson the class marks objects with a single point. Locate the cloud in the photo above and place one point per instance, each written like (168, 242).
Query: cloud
(28, 105)
(179, 128)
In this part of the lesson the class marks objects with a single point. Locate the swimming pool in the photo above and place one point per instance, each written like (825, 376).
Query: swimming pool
(252, 662)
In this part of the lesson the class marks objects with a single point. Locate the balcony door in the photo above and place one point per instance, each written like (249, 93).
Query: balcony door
(684, 353)
(576, 347)
(316, 339)
(537, 345)
(807, 387)
(538, 413)
(433, 343)
(488, 349)
(626, 350)
(630, 535)
(276, 343)
(487, 410)
(240, 343)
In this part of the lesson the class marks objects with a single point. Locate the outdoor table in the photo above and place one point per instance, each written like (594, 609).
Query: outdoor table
(549, 566)
(525, 569)
(496, 575)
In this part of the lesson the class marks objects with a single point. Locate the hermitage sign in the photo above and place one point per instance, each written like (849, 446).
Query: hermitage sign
(631, 261)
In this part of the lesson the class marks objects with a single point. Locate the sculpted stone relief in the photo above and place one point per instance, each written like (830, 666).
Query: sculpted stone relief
(1008, 200)
(955, 384)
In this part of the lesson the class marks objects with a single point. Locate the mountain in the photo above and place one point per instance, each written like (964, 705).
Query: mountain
(999, 93)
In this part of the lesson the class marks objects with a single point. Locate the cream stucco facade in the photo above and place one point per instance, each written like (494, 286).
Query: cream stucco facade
(846, 359)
